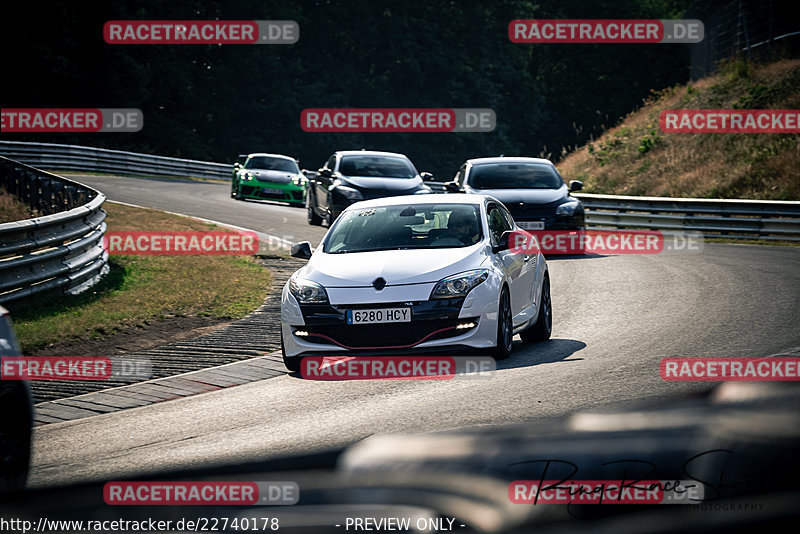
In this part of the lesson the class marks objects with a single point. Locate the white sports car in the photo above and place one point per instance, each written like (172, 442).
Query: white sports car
(415, 275)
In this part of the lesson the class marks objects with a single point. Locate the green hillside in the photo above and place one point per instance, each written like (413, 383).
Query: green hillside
(636, 158)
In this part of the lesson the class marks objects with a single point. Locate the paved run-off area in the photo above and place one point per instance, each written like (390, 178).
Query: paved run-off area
(240, 352)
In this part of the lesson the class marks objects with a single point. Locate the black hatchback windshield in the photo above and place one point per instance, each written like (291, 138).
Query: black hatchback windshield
(376, 166)
(514, 176)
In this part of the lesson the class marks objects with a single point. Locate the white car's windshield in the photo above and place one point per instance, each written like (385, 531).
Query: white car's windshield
(377, 167)
(271, 164)
(405, 227)
(514, 176)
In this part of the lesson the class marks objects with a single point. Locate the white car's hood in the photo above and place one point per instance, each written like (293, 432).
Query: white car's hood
(397, 267)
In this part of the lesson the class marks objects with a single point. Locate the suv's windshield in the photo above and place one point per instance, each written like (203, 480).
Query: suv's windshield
(405, 227)
(271, 164)
(377, 166)
(514, 176)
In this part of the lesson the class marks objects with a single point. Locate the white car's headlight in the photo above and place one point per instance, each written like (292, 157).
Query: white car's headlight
(248, 176)
(568, 208)
(458, 285)
(308, 292)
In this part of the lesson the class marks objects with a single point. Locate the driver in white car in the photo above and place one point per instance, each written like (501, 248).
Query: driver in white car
(462, 226)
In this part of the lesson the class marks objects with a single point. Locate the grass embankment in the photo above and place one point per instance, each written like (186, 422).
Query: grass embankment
(11, 208)
(636, 158)
(143, 289)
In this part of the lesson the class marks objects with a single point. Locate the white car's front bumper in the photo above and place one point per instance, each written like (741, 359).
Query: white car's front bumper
(479, 306)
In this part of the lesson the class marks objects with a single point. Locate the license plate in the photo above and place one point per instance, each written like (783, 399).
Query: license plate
(531, 225)
(271, 191)
(379, 315)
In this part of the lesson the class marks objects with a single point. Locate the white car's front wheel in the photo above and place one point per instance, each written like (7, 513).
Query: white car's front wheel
(505, 328)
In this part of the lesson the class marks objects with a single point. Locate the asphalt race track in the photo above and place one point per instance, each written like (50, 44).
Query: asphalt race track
(615, 317)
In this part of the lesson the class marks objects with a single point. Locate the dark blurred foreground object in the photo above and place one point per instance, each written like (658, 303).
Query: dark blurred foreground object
(739, 439)
(16, 417)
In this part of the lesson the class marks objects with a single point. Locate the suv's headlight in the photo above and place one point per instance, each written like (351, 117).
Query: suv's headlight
(349, 193)
(568, 208)
(458, 285)
(308, 292)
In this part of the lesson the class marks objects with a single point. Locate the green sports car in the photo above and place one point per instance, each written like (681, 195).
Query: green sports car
(269, 177)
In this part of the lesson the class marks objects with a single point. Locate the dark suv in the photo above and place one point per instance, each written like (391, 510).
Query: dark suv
(531, 188)
(353, 175)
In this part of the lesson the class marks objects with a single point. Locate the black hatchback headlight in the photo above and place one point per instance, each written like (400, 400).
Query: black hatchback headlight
(569, 208)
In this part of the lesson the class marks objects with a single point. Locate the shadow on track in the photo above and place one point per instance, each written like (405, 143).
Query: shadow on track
(551, 351)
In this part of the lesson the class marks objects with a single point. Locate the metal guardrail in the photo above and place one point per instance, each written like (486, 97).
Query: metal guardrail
(731, 218)
(768, 220)
(59, 251)
(736, 219)
(87, 159)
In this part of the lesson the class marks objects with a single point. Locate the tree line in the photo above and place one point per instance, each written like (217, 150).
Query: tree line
(214, 102)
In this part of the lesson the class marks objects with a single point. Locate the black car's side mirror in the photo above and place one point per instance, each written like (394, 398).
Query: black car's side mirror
(504, 243)
(426, 176)
(575, 185)
(452, 187)
(325, 172)
(301, 250)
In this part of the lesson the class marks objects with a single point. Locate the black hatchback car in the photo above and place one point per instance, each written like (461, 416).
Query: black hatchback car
(531, 188)
(353, 175)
